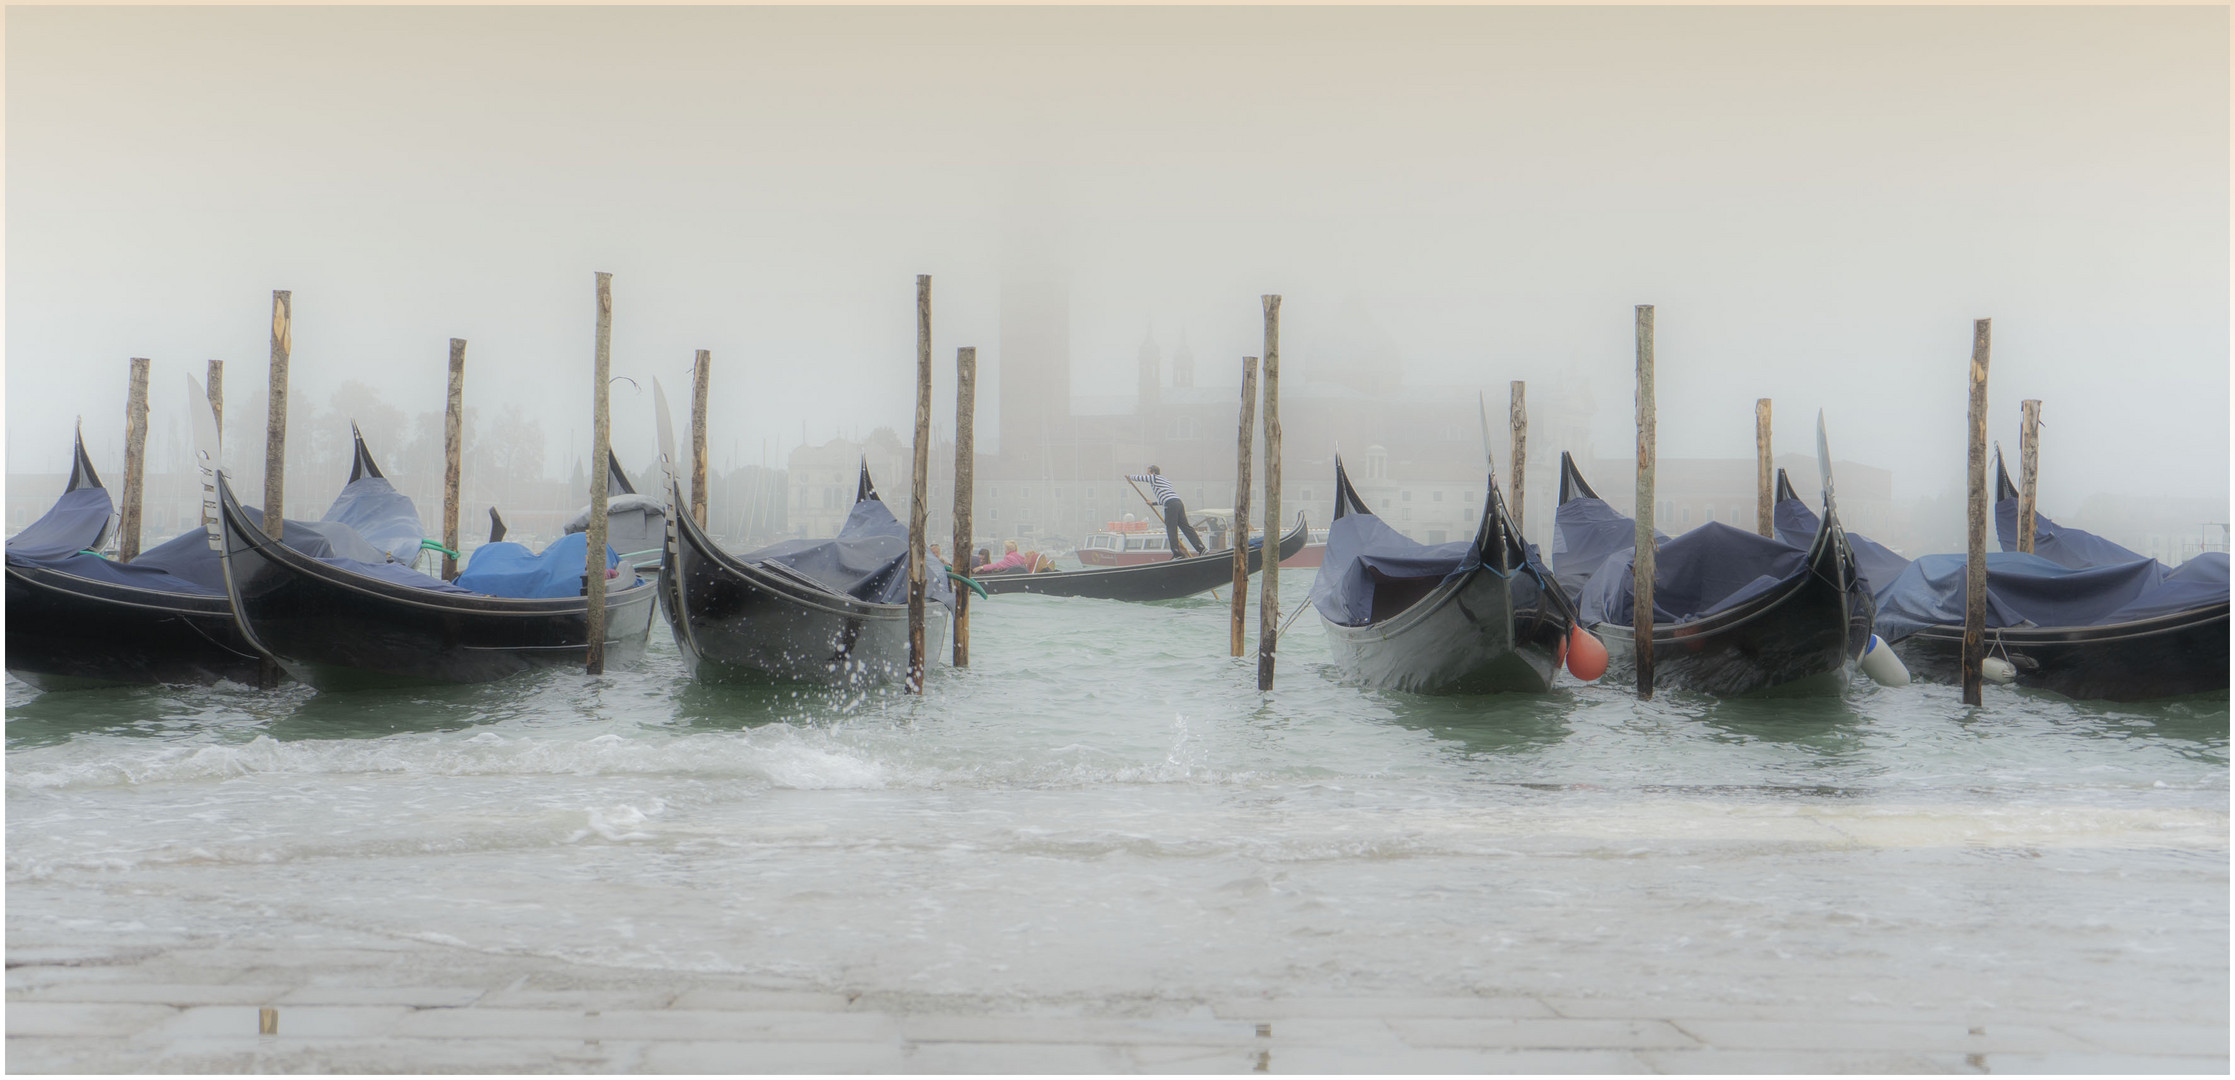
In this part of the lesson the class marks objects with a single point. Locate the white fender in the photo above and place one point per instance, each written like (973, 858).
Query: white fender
(1879, 662)
(1998, 671)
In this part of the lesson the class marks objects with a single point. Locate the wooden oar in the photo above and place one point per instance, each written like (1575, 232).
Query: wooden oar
(1153, 508)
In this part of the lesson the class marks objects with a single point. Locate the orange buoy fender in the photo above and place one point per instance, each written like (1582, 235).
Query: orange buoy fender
(1586, 654)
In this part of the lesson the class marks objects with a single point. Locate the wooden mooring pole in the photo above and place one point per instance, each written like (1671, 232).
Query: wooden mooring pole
(601, 436)
(453, 454)
(1975, 553)
(1765, 498)
(135, 462)
(966, 470)
(701, 369)
(2029, 469)
(1268, 595)
(1518, 485)
(919, 492)
(1641, 567)
(217, 395)
(1241, 499)
(275, 425)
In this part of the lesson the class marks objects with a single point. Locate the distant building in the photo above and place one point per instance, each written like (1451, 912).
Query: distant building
(1415, 453)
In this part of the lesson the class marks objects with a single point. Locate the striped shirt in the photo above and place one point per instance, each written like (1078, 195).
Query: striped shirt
(1162, 487)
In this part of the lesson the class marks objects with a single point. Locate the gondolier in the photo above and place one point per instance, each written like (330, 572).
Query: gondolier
(1173, 510)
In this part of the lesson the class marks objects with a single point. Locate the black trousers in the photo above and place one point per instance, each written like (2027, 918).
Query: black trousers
(1175, 523)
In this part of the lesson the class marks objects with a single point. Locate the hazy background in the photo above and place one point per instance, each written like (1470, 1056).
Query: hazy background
(1818, 200)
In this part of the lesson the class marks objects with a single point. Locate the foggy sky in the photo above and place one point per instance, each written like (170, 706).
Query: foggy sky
(1818, 201)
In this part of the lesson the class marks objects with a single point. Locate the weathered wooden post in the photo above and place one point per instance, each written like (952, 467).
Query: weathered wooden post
(919, 494)
(453, 453)
(135, 462)
(700, 370)
(1268, 596)
(1641, 566)
(2029, 469)
(1518, 415)
(601, 434)
(1241, 499)
(1975, 553)
(217, 395)
(275, 425)
(1765, 499)
(966, 469)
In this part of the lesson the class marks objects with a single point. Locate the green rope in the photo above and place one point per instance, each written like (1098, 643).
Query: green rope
(974, 586)
(646, 551)
(429, 545)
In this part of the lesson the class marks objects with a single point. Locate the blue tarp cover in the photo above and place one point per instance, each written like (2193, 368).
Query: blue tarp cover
(1707, 570)
(509, 569)
(380, 514)
(2022, 590)
(867, 560)
(1359, 546)
(2196, 583)
(185, 563)
(75, 522)
(1586, 532)
(2063, 546)
(1876, 563)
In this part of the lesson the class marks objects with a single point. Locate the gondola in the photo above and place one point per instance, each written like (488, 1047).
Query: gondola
(2080, 616)
(78, 620)
(1479, 616)
(337, 619)
(831, 611)
(1735, 612)
(1168, 579)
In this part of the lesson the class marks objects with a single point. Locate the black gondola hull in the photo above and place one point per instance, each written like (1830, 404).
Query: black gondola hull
(1170, 579)
(1483, 632)
(66, 632)
(2169, 656)
(1794, 640)
(743, 622)
(336, 630)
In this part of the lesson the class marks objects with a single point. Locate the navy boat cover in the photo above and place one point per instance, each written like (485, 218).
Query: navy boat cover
(1709, 569)
(370, 529)
(1586, 532)
(867, 560)
(77, 521)
(2063, 546)
(382, 516)
(1877, 564)
(506, 568)
(1362, 549)
(2028, 590)
(2073, 578)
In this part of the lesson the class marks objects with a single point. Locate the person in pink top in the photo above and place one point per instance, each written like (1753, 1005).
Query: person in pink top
(1011, 560)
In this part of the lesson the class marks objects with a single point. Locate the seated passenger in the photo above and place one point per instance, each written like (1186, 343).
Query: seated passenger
(1011, 561)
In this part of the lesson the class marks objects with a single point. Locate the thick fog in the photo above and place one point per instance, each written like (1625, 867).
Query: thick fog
(1818, 201)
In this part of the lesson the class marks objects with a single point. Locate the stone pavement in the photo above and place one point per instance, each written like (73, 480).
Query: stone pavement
(197, 1007)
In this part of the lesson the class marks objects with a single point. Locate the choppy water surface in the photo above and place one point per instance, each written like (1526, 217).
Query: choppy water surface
(1105, 805)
